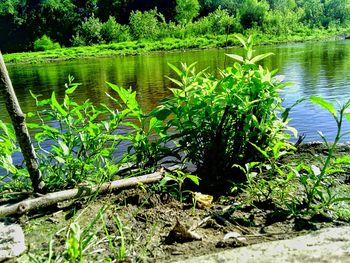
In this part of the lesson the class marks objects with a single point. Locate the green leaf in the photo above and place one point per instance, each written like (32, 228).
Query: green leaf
(347, 116)
(43, 102)
(127, 96)
(193, 178)
(242, 41)
(57, 106)
(236, 57)
(260, 57)
(324, 104)
(64, 147)
(343, 160)
(60, 159)
(177, 82)
(177, 70)
(153, 123)
(161, 113)
(264, 153)
(71, 90)
(33, 95)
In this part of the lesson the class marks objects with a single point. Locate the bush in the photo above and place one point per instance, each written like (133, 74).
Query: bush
(280, 23)
(252, 13)
(144, 25)
(218, 22)
(219, 123)
(82, 147)
(45, 43)
(111, 31)
(88, 33)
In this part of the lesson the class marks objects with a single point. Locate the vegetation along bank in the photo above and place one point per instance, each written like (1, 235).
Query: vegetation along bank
(73, 29)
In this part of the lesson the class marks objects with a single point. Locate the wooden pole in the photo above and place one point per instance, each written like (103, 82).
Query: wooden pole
(19, 124)
(53, 198)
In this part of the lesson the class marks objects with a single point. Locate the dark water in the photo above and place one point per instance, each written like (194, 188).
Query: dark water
(314, 69)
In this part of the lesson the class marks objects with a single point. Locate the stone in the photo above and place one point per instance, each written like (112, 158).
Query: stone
(325, 245)
(12, 242)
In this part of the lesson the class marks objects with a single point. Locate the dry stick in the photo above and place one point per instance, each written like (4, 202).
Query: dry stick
(54, 198)
(19, 124)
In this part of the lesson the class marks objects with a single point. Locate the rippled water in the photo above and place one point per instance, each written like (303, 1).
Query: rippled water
(314, 69)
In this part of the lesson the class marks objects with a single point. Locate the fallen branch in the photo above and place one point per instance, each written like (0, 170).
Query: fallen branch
(53, 198)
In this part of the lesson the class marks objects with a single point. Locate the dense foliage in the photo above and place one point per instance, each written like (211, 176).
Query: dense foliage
(71, 22)
(216, 120)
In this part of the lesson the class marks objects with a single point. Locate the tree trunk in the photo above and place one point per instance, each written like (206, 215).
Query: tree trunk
(53, 198)
(19, 124)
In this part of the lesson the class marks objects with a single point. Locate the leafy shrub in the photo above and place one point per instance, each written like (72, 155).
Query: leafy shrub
(186, 10)
(144, 149)
(144, 25)
(73, 144)
(279, 23)
(215, 120)
(45, 43)
(252, 13)
(88, 33)
(111, 31)
(218, 22)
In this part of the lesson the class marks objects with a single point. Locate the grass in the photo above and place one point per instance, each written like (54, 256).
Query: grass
(167, 44)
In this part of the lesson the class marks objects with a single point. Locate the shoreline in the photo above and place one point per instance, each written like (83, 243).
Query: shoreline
(133, 48)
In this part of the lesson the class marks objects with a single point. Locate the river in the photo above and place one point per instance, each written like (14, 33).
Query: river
(317, 68)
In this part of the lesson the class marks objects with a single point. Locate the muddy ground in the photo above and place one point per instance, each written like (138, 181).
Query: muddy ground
(155, 227)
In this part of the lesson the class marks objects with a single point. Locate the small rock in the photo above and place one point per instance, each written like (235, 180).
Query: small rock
(11, 241)
(231, 235)
(181, 234)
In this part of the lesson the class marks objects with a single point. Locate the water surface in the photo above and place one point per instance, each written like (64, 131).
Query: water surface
(321, 69)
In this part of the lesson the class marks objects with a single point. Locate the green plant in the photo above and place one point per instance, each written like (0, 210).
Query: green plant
(178, 180)
(214, 121)
(80, 240)
(119, 254)
(144, 25)
(45, 43)
(186, 10)
(82, 146)
(16, 177)
(89, 32)
(269, 179)
(316, 178)
(111, 31)
(144, 132)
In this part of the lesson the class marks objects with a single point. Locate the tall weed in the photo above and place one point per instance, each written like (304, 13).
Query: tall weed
(73, 144)
(214, 121)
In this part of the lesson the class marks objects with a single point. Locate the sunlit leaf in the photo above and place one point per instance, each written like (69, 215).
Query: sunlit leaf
(57, 106)
(173, 67)
(241, 40)
(324, 104)
(193, 178)
(64, 147)
(236, 57)
(342, 160)
(347, 116)
(153, 123)
(71, 90)
(177, 82)
(260, 57)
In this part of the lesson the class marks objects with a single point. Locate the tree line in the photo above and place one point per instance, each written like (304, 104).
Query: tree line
(43, 24)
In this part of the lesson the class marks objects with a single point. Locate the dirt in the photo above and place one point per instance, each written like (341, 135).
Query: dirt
(158, 228)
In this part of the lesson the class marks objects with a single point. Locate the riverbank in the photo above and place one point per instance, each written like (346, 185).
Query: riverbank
(143, 47)
(142, 225)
